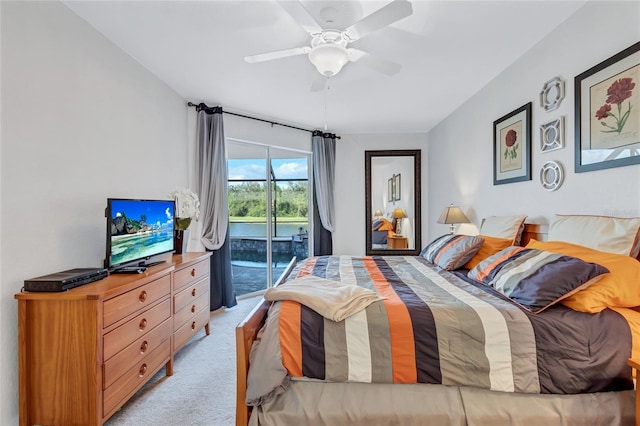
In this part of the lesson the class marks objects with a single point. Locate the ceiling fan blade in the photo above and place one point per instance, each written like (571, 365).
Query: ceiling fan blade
(382, 17)
(383, 66)
(277, 54)
(301, 16)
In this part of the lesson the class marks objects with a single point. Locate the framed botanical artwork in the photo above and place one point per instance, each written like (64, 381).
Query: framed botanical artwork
(607, 113)
(390, 193)
(396, 187)
(512, 146)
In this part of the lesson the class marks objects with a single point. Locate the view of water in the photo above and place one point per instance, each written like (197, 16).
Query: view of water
(135, 246)
(249, 229)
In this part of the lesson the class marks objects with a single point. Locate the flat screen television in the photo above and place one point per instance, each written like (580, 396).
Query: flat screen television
(138, 230)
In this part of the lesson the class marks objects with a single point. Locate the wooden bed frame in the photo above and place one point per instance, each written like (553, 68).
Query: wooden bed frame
(247, 330)
(246, 333)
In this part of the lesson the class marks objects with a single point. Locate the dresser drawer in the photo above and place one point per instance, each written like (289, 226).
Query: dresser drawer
(187, 331)
(189, 312)
(126, 304)
(135, 352)
(139, 326)
(195, 272)
(133, 378)
(187, 296)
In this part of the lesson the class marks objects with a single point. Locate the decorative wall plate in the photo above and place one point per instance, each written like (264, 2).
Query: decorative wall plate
(551, 175)
(552, 94)
(552, 135)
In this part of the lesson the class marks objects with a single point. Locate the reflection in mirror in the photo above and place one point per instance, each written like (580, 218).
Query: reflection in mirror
(393, 208)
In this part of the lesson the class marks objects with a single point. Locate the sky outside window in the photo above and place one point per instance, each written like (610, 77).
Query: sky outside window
(283, 168)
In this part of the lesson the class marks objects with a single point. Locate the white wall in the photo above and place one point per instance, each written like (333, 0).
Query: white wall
(460, 148)
(350, 233)
(80, 121)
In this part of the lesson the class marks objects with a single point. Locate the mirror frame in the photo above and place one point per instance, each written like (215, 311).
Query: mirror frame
(417, 229)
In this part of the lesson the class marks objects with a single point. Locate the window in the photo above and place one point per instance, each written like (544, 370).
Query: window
(269, 205)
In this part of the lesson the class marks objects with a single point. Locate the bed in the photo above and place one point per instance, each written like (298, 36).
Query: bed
(381, 228)
(460, 380)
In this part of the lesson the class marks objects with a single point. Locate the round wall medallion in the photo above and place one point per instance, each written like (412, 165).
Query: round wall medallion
(552, 94)
(551, 175)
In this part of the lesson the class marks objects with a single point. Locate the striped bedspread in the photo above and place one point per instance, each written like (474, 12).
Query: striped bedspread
(436, 327)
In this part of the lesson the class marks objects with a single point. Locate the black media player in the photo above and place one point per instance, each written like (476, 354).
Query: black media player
(65, 280)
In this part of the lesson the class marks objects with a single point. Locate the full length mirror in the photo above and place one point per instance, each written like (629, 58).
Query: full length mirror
(392, 180)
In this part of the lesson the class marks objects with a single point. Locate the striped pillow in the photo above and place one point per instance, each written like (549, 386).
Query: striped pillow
(535, 279)
(452, 251)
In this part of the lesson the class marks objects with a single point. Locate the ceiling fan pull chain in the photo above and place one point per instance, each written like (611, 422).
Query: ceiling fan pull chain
(325, 103)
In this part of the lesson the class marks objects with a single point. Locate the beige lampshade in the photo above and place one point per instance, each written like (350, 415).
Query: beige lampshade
(452, 215)
(378, 213)
(399, 213)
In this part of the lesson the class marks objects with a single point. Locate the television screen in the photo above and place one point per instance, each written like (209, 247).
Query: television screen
(138, 230)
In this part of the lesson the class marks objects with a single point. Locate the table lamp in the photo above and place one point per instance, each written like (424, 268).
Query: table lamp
(398, 215)
(452, 215)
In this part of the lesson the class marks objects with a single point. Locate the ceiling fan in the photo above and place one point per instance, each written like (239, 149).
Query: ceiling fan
(329, 50)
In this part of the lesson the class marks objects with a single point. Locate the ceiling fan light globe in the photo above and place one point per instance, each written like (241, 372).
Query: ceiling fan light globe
(328, 58)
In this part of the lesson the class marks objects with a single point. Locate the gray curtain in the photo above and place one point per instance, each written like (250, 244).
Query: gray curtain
(211, 185)
(323, 147)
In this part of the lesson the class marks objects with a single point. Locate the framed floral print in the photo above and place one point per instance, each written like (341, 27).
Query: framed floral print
(512, 146)
(607, 116)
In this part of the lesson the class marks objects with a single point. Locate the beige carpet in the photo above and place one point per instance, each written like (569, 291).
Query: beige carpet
(202, 390)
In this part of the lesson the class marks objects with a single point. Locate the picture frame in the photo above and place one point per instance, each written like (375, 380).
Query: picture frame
(512, 146)
(552, 135)
(607, 113)
(396, 187)
(390, 194)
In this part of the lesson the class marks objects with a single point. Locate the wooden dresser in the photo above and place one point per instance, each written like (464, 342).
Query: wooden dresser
(84, 352)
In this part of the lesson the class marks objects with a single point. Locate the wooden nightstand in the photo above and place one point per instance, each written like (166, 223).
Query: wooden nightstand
(397, 242)
(635, 363)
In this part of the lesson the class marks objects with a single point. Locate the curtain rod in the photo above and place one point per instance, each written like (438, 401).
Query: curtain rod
(314, 132)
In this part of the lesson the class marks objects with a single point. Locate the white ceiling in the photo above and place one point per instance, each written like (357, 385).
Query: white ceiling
(448, 51)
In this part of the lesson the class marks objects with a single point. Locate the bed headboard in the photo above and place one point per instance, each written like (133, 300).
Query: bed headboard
(534, 231)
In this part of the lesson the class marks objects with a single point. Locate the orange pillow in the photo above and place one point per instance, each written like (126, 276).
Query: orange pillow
(491, 246)
(385, 226)
(620, 288)
(633, 318)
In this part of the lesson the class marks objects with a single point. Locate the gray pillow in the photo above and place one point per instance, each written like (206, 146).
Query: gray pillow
(452, 251)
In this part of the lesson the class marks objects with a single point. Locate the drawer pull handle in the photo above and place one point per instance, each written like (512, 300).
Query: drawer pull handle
(143, 370)
(143, 296)
(193, 325)
(193, 309)
(193, 292)
(143, 347)
(193, 272)
(143, 323)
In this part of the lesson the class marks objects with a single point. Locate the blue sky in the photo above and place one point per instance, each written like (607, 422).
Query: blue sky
(288, 168)
(158, 212)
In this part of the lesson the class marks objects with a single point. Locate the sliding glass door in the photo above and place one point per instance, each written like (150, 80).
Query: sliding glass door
(269, 205)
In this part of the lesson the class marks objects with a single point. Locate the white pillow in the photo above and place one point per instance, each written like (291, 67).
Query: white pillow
(604, 233)
(509, 227)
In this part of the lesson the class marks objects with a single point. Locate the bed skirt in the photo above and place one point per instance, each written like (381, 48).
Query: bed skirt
(322, 403)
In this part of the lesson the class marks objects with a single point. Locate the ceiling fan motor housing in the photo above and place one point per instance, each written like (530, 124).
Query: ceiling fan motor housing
(328, 52)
